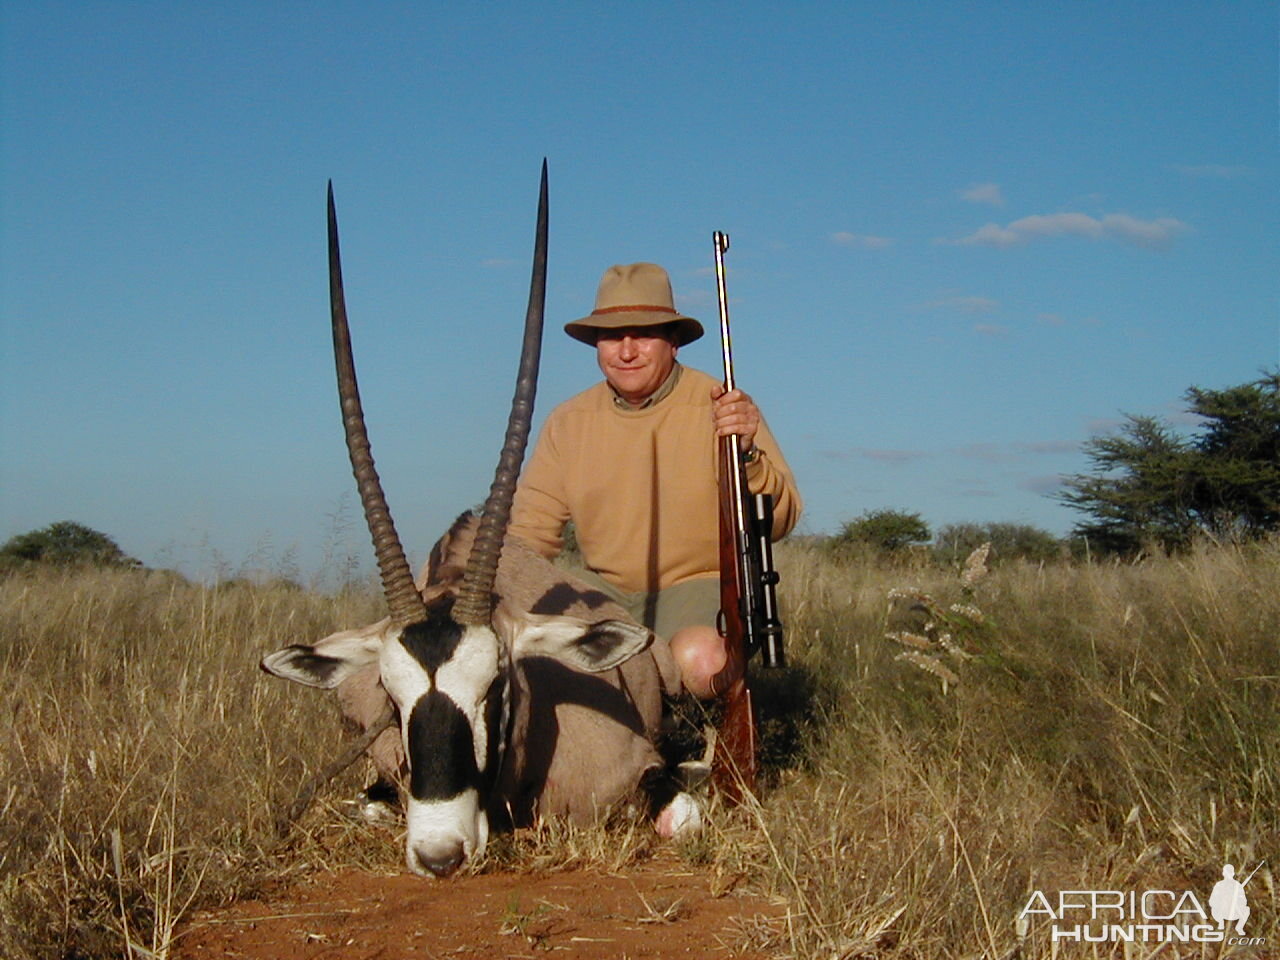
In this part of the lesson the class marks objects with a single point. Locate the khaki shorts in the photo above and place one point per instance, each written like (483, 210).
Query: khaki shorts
(688, 604)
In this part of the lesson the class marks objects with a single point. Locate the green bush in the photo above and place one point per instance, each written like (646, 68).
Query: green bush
(1009, 541)
(889, 531)
(65, 543)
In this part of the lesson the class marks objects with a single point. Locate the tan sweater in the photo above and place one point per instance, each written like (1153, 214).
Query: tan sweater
(640, 485)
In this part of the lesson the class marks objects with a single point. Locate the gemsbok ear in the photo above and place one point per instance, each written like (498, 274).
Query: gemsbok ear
(592, 647)
(330, 661)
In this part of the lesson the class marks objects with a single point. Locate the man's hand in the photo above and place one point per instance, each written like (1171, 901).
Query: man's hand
(735, 412)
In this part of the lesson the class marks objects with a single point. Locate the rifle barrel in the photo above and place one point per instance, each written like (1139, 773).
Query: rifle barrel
(721, 241)
(733, 444)
(1252, 872)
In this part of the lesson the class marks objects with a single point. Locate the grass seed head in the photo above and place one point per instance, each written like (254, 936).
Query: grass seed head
(975, 567)
(911, 640)
(929, 665)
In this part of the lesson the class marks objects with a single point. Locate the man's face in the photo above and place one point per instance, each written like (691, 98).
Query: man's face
(635, 360)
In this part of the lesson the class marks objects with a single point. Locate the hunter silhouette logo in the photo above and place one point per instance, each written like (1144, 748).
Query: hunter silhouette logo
(1228, 902)
(1149, 916)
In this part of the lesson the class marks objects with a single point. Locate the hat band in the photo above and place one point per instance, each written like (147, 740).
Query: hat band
(640, 308)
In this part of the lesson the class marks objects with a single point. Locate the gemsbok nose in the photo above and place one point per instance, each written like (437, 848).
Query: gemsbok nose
(440, 860)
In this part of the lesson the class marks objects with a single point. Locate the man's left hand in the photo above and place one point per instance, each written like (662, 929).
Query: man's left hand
(735, 413)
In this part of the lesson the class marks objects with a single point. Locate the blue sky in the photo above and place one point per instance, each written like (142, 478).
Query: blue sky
(965, 238)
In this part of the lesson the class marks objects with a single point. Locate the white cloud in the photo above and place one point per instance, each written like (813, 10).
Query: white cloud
(1045, 447)
(893, 456)
(1215, 171)
(1097, 425)
(863, 240)
(697, 298)
(1058, 320)
(1050, 483)
(1143, 233)
(1153, 234)
(965, 304)
(987, 453)
(980, 493)
(991, 329)
(1015, 451)
(983, 193)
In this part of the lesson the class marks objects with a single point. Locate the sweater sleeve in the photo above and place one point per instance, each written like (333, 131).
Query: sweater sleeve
(540, 509)
(770, 474)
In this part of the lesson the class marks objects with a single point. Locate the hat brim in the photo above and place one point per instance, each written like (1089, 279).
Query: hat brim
(588, 328)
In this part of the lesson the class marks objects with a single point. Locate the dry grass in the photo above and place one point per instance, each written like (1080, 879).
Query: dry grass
(1114, 726)
(144, 753)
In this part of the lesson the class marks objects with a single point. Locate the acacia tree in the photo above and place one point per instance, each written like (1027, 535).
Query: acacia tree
(1236, 485)
(1150, 484)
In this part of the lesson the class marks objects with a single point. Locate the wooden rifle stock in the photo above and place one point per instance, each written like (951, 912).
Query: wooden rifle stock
(748, 607)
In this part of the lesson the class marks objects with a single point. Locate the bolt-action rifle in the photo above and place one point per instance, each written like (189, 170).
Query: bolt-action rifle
(748, 618)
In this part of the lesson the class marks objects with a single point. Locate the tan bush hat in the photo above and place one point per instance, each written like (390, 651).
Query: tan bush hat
(634, 295)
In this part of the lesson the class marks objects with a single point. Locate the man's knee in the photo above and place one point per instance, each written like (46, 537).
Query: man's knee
(700, 654)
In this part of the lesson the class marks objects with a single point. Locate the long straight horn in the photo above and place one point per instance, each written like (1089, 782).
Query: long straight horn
(474, 604)
(403, 600)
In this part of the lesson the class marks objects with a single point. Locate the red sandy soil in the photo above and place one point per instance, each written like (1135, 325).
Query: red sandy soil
(657, 909)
